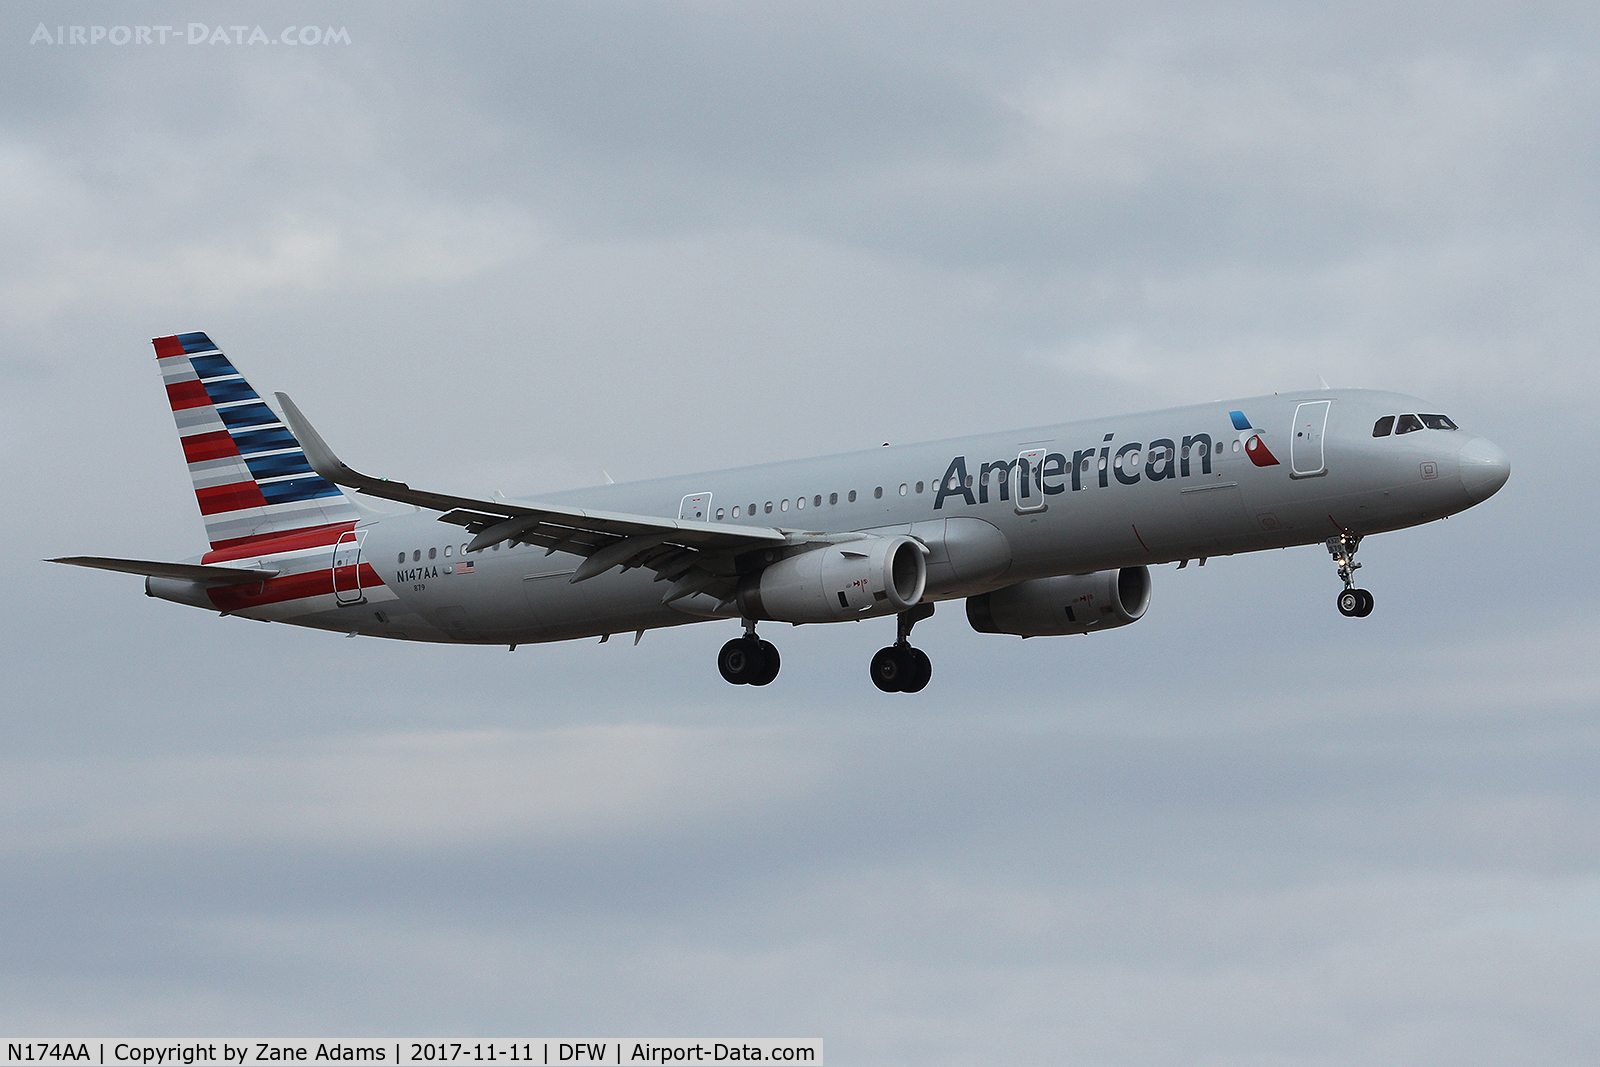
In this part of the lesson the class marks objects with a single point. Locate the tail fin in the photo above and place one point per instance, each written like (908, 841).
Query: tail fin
(250, 475)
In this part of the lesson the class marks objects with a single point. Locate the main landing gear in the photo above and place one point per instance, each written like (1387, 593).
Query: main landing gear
(748, 660)
(1353, 603)
(901, 668)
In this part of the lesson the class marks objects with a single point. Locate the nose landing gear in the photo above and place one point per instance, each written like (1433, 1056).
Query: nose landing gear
(1353, 603)
(899, 668)
(748, 660)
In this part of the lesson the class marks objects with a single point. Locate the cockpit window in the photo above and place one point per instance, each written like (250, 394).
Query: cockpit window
(1383, 427)
(1438, 422)
(1408, 424)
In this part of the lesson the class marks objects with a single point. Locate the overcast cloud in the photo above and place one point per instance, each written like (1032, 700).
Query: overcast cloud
(517, 245)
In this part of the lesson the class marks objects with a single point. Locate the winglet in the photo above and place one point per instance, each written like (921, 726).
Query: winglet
(318, 454)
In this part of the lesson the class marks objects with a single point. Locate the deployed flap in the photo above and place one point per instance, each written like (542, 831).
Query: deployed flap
(186, 571)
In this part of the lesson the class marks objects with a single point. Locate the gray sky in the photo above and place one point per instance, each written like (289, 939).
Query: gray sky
(511, 248)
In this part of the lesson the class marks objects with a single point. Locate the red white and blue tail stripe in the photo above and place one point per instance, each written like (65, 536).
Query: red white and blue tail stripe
(250, 475)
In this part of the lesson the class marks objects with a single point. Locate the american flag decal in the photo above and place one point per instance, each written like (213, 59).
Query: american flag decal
(464, 567)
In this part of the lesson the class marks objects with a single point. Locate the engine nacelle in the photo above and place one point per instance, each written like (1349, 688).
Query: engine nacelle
(1065, 604)
(850, 580)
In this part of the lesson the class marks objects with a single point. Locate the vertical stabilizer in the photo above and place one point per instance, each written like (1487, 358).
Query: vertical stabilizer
(250, 475)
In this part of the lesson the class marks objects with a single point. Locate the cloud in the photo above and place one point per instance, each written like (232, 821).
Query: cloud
(420, 790)
(510, 247)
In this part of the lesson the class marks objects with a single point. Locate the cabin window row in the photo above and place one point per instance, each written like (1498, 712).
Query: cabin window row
(907, 488)
(433, 553)
(800, 503)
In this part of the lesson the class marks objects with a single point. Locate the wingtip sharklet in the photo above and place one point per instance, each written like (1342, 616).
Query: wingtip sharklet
(318, 454)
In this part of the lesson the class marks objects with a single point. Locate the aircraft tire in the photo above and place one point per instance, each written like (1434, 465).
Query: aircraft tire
(890, 669)
(921, 672)
(1350, 603)
(770, 662)
(742, 660)
(1365, 608)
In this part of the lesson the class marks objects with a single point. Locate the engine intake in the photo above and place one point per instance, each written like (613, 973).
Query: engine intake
(1065, 604)
(851, 580)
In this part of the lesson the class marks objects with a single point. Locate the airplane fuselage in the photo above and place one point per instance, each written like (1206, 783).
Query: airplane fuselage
(993, 510)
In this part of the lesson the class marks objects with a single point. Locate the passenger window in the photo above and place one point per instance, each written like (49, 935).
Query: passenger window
(852, 496)
(768, 508)
(904, 489)
(433, 553)
(919, 487)
(402, 558)
(719, 514)
(416, 556)
(783, 505)
(833, 498)
(1408, 424)
(1437, 422)
(463, 549)
(1383, 427)
(817, 500)
(447, 549)
(877, 494)
(751, 510)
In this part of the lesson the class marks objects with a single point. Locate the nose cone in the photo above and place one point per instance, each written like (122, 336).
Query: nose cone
(1484, 468)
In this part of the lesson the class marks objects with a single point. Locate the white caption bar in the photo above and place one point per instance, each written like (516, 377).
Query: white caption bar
(392, 1053)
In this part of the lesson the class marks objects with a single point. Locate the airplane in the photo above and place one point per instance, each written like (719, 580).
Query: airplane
(1043, 532)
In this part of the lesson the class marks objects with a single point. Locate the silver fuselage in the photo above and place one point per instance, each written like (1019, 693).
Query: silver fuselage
(1090, 496)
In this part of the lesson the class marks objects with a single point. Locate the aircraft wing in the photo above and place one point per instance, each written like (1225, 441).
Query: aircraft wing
(695, 556)
(155, 569)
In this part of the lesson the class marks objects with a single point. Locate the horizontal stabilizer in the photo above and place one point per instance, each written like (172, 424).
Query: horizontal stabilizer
(187, 571)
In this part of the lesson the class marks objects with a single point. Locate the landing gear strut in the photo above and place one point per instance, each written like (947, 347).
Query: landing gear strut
(748, 660)
(1353, 603)
(901, 668)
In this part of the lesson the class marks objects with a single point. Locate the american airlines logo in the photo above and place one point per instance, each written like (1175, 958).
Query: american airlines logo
(1131, 462)
(1254, 447)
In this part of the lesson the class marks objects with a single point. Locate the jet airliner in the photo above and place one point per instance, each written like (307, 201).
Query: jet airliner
(1044, 531)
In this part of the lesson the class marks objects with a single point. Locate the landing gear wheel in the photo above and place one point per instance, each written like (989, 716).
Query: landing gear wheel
(743, 660)
(1355, 603)
(770, 661)
(892, 668)
(921, 672)
(901, 669)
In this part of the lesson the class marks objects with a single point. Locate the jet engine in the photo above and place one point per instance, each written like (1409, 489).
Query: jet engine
(849, 580)
(1065, 604)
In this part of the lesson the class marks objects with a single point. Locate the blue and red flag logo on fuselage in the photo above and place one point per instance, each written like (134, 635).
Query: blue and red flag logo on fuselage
(1254, 447)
